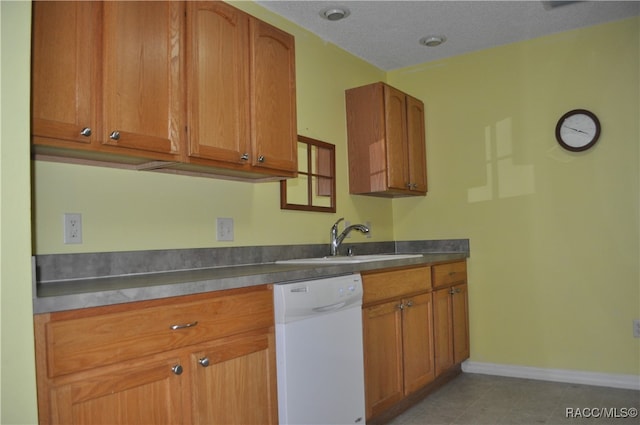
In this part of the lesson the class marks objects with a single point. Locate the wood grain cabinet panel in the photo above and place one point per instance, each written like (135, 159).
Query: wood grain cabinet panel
(111, 80)
(64, 72)
(218, 82)
(142, 85)
(273, 98)
(398, 336)
(123, 364)
(141, 393)
(232, 381)
(382, 337)
(451, 315)
(241, 92)
(386, 136)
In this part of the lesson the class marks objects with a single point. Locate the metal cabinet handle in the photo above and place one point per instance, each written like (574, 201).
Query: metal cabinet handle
(452, 291)
(261, 158)
(183, 326)
(410, 303)
(115, 135)
(245, 156)
(177, 369)
(204, 362)
(86, 132)
(400, 306)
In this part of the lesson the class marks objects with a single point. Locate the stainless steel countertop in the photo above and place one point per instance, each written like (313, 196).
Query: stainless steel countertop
(94, 292)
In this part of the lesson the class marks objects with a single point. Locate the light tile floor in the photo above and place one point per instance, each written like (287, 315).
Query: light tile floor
(493, 400)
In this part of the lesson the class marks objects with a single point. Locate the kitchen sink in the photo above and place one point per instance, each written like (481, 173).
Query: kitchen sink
(349, 259)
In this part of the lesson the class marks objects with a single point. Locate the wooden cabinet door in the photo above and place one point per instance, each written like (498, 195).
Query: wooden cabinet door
(396, 135)
(443, 330)
(234, 381)
(273, 98)
(140, 392)
(416, 145)
(218, 81)
(417, 342)
(382, 326)
(63, 72)
(460, 314)
(142, 83)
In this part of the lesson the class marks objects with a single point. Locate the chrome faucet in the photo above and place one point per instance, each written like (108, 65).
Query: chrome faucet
(337, 240)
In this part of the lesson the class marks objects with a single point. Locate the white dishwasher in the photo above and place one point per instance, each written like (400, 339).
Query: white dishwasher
(319, 351)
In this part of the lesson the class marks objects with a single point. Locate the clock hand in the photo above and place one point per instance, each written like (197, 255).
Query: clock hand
(575, 129)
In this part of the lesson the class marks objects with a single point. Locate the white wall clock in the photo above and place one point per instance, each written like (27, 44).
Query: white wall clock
(578, 130)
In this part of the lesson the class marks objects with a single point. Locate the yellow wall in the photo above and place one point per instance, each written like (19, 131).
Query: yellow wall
(17, 377)
(554, 270)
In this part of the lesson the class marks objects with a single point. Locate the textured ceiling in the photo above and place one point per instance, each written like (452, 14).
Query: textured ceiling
(387, 33)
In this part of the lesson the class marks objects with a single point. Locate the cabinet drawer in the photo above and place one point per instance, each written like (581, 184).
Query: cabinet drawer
(449, 274)
(87, 341)
(395, 283)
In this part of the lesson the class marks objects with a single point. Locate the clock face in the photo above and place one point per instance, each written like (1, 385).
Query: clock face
(578, 130)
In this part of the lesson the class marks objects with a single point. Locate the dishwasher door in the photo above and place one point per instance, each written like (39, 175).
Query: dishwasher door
(319, 351)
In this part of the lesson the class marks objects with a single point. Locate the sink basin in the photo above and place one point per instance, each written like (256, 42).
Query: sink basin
(354, 259)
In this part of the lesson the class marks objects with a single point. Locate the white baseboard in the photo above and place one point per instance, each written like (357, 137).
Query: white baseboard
(630, 382)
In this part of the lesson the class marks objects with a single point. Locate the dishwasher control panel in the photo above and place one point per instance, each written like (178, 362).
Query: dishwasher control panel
(301, 299)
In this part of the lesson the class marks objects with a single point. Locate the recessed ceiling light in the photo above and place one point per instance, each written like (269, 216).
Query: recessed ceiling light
(433, 40)
(335, 13)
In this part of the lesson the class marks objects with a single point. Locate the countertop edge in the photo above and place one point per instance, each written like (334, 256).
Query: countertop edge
(77, 294)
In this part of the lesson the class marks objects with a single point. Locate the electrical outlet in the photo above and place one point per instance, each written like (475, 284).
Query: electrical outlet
(72, 228)
(224, 229)
(636, 328)
(368, 224)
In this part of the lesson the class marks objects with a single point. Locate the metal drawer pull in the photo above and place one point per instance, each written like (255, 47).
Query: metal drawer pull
(245, 156)
(177, 369)
(86, 132)
(186, 325)
(261, 158)
(115, 135)
(204, 362)
(410, 303)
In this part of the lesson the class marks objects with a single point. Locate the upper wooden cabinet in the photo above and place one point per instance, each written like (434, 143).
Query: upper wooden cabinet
(386, 142)
(196, 87)
(63, 73)
(273, 98)
(106, 77)
(241, 91)
(218, 82)
(142, 75)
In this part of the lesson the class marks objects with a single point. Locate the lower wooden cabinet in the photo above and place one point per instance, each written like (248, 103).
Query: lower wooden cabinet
(413, 335)
(233, 381)
(398, 336)
(451, 316)
(196, 380)
(139, 392)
